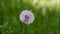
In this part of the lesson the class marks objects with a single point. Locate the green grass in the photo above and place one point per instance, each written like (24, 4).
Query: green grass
(47, 19)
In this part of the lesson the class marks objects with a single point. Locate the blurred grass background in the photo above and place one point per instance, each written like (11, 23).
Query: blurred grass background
(47, 17)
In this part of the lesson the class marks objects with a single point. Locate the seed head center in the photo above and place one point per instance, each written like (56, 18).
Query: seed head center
(26, 18)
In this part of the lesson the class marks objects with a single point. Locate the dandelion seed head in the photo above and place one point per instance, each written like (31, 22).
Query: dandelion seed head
(26, 16)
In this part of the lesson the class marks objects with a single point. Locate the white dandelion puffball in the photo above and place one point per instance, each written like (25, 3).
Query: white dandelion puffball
(26, 16)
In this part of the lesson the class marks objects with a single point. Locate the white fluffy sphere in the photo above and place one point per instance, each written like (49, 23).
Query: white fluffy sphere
(26, 16)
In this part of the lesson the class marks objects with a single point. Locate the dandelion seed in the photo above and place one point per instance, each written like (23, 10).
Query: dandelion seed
(26, 16)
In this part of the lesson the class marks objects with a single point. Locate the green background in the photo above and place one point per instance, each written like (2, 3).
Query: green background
(47, 19)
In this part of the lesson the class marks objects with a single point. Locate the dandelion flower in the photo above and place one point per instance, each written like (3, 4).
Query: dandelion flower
(26, 16)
